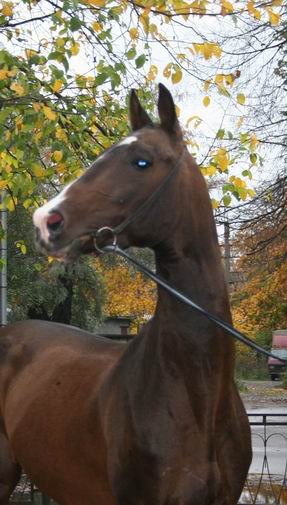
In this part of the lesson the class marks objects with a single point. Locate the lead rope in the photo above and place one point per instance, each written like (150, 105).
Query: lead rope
(114, 248)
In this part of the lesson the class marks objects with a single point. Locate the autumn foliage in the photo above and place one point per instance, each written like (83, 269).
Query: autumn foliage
(260, 305)
(127, 293)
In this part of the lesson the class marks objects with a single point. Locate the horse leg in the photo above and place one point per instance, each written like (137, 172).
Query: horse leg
(10, 470)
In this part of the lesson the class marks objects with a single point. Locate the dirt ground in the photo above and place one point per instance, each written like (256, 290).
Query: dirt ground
(264, 394)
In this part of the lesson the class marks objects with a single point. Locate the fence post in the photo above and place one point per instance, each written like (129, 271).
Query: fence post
(3, 265)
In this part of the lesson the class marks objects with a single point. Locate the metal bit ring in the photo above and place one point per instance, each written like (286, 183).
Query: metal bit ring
(104, 229)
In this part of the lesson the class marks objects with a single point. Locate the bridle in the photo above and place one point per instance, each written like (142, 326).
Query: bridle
(114, 248)
(141, 209)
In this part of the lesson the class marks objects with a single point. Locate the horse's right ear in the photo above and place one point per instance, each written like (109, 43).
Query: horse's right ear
(138, 116)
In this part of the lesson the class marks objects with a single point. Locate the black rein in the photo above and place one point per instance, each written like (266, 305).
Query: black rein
(183, 298)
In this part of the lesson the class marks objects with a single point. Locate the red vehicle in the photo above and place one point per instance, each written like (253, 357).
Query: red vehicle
(279, 347)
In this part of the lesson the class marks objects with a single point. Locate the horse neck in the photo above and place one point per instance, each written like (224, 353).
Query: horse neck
(190, 261)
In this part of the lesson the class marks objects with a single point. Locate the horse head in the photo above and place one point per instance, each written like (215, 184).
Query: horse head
(118, 186)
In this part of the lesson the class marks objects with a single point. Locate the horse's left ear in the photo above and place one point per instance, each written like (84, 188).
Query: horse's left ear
(167, 112)
(138, 116)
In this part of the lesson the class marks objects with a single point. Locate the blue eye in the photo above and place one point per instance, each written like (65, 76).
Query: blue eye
(142, 164)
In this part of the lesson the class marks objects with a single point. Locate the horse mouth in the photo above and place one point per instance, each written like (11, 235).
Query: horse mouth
(71, 252)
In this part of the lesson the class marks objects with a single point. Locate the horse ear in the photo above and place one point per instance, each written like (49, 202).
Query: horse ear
(138, 116)
(167, 112)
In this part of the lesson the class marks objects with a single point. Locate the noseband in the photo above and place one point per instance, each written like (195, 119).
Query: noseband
(140, 210)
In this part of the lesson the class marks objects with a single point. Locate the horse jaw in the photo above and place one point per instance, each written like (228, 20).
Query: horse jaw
(71, 252)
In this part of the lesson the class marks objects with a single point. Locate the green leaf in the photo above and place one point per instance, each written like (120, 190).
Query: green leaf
(101, 78)
(140, 61)
(241, 98)
(55, 55)
(75, 24)
(226, 200)
(227, 187)
(253, 158)
(247, 173)
(131, 53)
(220, 134)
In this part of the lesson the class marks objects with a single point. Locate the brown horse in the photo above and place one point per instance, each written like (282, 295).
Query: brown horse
(158, 421)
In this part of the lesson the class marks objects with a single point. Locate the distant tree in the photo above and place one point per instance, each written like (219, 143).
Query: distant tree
(261, 247)
(127, 292)
(38, 289)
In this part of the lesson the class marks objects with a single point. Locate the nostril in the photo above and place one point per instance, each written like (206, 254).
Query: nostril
(55, 222)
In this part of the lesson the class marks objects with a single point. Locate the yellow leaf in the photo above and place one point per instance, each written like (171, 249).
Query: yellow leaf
(239, 183)
(98, 3)
(210, 170)
(19, 123)
(3, 74)
(242, 193)
(207, 50)
(75, 48)
(38, 170)
(153, 29)
(253, 142)
(18, 88)
(226, 7)
(97, 26)
(12, 73)
(57, 155)
(206, 101)
(253, 11)
(216, 50)
(222, 159)
(176, 76)
(3, 184)
(134, 33)
(57, 85)
(49, 113)
(197, 48)
(251, 193)
(167, 70)
(37, 106)
(152, 73)
(229, 79)
(241, 98)
(144, 20)
(11, 203)
(23, 248)
(29, 53)
(219, 79)
(274, 18)
(60, 42)
(27, 203)
(215, 203)
(7, 9)
(8, 169)
(206, 86)
(61, 134)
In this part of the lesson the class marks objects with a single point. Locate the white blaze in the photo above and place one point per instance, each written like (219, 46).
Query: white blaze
(41, 215)
(127, 141)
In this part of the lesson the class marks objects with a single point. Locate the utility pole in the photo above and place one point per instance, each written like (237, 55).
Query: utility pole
(3, 262)
(227, 253)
